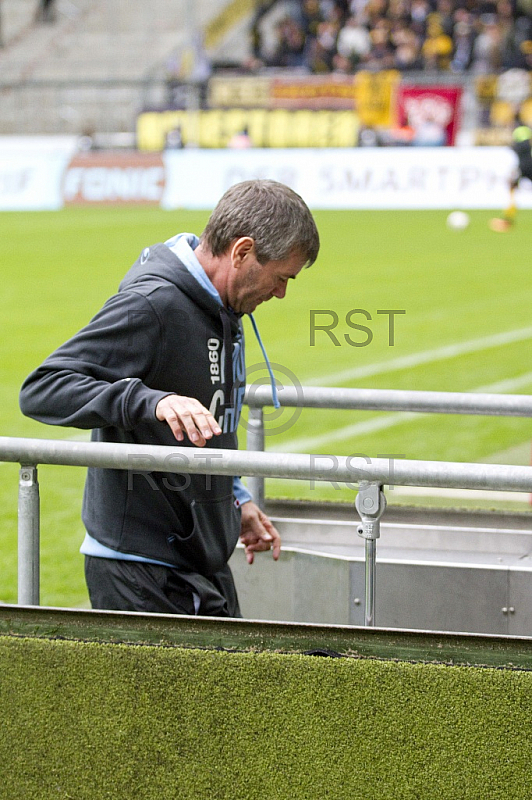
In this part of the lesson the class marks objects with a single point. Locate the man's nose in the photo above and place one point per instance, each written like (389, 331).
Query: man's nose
(280, 290)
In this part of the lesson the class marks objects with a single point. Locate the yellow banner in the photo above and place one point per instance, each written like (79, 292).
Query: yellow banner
(276, 128)
(246, 91)
(375, 97)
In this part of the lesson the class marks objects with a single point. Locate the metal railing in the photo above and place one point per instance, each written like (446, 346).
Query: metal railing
(468, 403)
(370, 475)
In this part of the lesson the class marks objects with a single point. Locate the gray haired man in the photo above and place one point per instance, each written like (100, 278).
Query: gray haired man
(163, 361)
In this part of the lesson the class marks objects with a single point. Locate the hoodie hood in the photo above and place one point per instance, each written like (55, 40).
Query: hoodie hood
(175, 262)
(158, 264)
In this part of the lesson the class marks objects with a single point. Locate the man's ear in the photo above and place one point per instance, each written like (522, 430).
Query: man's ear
(242, 247)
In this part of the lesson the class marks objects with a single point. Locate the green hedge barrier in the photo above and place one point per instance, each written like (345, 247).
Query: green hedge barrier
(86, 720)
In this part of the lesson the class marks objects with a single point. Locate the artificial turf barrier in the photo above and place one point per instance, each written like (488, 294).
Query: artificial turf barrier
(100, 720)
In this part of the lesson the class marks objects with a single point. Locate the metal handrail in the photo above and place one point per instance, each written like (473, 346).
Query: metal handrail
(485, 404)
(369, 474)
(258, 397)
(299, 466)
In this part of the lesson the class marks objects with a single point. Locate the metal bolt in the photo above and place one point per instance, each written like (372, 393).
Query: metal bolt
(357, 601)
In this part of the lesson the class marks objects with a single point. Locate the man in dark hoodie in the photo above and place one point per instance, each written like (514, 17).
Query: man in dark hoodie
(163, 360)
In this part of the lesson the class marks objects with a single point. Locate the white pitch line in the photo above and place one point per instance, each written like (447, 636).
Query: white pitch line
(432, 491)
(424, 357)
(461, 494)
(429, 491)
(305, 444)
(506, 386)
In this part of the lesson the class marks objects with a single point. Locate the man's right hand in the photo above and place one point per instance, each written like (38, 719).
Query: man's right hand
(186, 415)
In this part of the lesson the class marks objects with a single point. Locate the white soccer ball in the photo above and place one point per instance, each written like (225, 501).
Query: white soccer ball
(458, 220)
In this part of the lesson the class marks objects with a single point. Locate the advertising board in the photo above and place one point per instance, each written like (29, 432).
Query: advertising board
(328, 178)
(365, 178)
(109, 178)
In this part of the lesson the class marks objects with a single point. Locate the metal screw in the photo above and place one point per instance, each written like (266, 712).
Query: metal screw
(368, 504)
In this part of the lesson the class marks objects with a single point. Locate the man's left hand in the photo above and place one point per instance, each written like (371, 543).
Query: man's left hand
(257, 533)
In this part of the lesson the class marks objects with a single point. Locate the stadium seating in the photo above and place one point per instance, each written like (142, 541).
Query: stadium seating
(97, 62)
(83, 43)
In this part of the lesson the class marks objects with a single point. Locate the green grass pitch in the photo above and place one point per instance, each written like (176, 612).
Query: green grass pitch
(458, 290)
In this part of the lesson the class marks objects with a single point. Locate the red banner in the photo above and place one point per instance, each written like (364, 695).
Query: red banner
(108, 177)
(432, 112)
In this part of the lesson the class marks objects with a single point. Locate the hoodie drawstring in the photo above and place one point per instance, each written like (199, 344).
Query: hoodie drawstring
(228, 356)
(275, 397)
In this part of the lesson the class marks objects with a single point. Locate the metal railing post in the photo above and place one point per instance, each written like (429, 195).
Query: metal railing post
(370, 504)
(28, 536)
(255, 442)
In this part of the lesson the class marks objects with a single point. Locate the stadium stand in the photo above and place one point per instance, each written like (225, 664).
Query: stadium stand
(440, 35)
(94, 39)
(62, 67)
(97, 64)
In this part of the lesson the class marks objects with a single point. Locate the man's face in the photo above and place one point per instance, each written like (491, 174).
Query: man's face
(254, 283)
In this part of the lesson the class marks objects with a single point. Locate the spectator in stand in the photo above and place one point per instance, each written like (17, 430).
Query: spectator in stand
(323, 48)
(342, 65)
(437, 48)
(444, 15)
(419, 13)
(487, 49)
(354, 42)
(398, 10)
(463, 38)
(381, 55)
(311, 17)
(336, 11)
(481, 36)
(526, 49)
(357, 8)
(514, 33)
(290, 51)
(376, 10)
(407, 45)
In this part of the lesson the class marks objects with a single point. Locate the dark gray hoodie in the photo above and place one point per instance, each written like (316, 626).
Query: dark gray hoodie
(162, 333)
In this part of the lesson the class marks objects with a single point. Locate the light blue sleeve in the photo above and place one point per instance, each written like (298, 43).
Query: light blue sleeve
(240, 492)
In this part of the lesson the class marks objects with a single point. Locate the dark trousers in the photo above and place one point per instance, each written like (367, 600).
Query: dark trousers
(119, 585)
